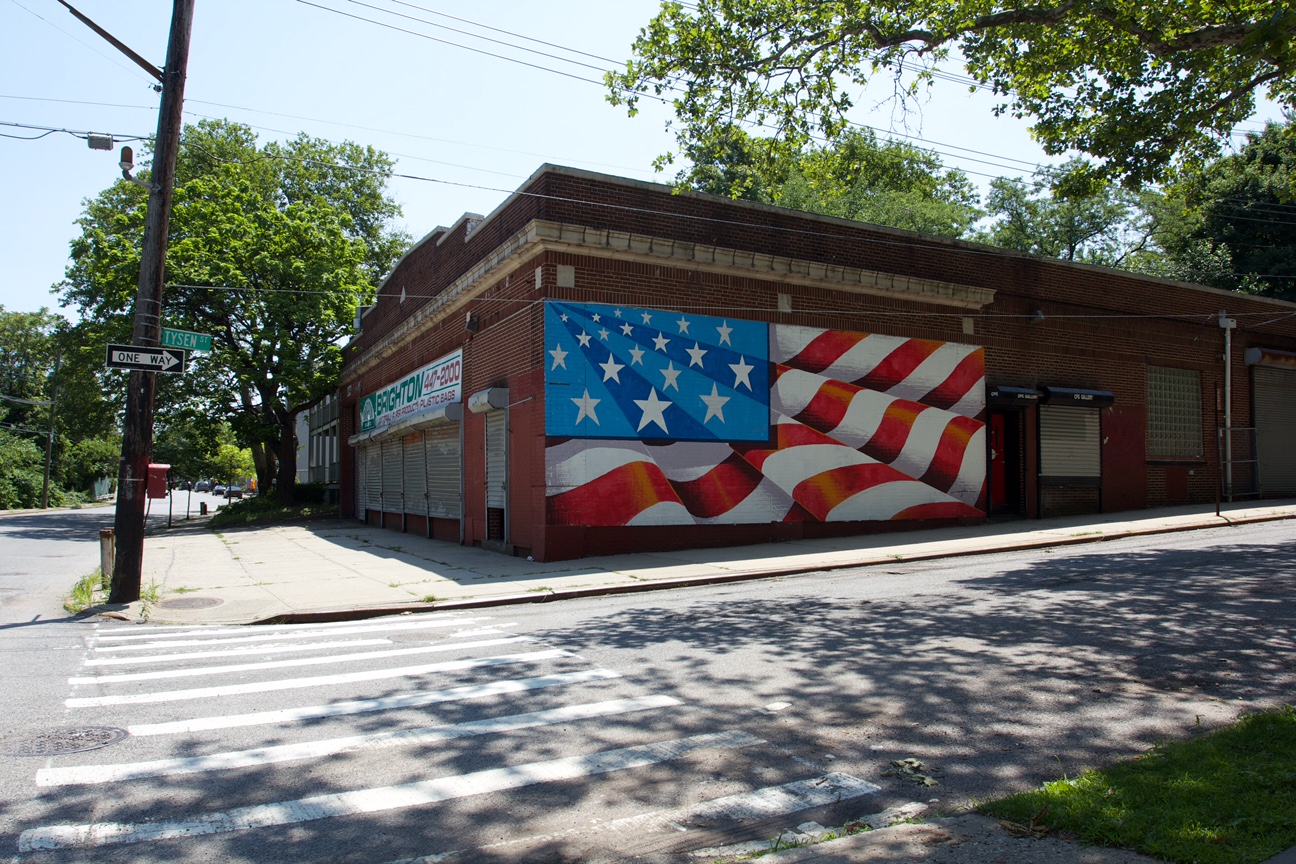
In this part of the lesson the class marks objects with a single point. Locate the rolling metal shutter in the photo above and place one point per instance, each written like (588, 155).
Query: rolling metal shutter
(496, 458)
(392, 471)
(361, 489)
(415, 476)
(1275, 423)
(444, 470)
(1070, 444)
(373, 477)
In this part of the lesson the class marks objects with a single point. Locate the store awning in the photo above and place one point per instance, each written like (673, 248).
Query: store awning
(1077, 397)
(449, 413)
(1003, 395)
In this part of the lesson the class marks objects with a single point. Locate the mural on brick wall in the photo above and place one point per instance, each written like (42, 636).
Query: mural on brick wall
(663, 418)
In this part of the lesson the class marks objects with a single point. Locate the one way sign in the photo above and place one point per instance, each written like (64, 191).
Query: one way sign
(146, 359)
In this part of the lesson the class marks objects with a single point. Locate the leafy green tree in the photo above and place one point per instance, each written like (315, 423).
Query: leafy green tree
(1236, 228)
(22, 472)
(1113, 227)
(88, 459)
(1140, 86)
(856, 178)
(232, 463)
(27, 356)
(271, 250)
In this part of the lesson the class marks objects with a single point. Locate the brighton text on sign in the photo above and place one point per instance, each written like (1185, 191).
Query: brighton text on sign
(439, 383)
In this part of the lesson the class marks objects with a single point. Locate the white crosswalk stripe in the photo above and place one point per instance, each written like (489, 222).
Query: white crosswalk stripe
(525, 708)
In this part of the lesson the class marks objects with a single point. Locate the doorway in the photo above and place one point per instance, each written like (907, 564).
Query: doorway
(1007, 460)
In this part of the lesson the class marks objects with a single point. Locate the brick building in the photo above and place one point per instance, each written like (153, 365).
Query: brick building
(604, 365)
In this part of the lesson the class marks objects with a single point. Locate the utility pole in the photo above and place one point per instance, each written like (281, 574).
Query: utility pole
(49, 439)
(137, 427)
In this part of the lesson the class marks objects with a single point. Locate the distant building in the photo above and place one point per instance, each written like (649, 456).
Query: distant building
(604, 365)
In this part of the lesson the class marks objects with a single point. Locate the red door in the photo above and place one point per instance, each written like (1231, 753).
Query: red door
(998, 460)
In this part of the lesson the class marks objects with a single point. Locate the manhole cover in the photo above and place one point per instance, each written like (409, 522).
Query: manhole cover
(190, 602)
(67, 741)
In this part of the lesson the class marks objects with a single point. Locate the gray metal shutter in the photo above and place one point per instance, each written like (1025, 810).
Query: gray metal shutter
(361, 489)
(496, 458)
(1069, 442)
(444, 470)
(415, 476)
(1275, 423)
(392, 473)
(373, 477)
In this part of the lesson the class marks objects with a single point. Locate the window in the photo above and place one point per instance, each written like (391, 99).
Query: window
(1174, 412)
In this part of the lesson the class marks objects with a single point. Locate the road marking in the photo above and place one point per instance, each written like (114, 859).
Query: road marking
(361, 706)
(358, 657)
(285, 631)
(380, 799)
(90, 774)
(319, 681)
(759, 804)
(245, 651)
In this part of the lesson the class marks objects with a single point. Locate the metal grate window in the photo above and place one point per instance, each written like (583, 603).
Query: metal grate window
(1174, 412)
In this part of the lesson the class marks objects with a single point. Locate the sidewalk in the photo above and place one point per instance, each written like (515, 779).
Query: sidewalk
(336, 569)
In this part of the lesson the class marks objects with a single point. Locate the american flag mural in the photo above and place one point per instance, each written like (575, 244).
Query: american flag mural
(662, 418)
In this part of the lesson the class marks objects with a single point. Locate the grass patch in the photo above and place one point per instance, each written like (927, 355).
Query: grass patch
(429, 598)
(83, 593)
(1224, 798)
(267, 510)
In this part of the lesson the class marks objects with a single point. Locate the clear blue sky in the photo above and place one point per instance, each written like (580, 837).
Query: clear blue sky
(474, 125)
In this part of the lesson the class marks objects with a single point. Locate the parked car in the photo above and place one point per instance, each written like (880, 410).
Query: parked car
(218, 491)
(202, 486)
(233, 492)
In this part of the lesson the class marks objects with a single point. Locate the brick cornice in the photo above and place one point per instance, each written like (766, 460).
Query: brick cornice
(543, 236)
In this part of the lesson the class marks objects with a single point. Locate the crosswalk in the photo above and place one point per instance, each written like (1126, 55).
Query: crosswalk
(421, 731)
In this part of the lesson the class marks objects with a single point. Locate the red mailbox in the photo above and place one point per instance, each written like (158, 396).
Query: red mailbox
(157, 480)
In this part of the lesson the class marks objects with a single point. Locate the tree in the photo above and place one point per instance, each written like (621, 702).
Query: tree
(27, 353)
(271, 250)
(232, 463)
(1237, 224)
(1139, 86)
(1113, 227)
(856, 178)
(21, 472)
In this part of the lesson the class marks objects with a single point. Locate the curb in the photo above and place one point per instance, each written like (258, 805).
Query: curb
(358, 613)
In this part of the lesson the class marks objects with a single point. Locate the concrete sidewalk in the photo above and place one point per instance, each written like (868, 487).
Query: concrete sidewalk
(334, 569)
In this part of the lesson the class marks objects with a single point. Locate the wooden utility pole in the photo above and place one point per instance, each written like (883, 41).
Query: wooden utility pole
(137, 427)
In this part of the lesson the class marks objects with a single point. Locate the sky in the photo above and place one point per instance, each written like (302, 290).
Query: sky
(471, 126)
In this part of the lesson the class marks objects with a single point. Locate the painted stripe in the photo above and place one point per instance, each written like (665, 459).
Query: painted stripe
(361, 706)
(246, 651)
(91, 774)
(276, 631)
(358, 657)
(380, 799)
(319, 681)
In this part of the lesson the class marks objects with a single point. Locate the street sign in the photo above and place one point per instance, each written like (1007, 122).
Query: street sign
(146, 359)
(186, 340)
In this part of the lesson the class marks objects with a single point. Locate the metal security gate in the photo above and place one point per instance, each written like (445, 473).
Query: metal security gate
(415, 476)
(1274, 392)
(444, 467)
(361, 487)
(497, 475)
(393, 470)
(1070, 459)
(373, 478)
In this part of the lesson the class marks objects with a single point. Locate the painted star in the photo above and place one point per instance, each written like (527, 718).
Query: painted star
(672, 377)
(627, 329)
(636, 355)
(725, 330)
(646, 317)
(616, 312)
(741, 371)
(660, 342)
(696, 353)
(683, 325)
(653, 409)
(563, 317)
(560, 357)
(596, 318)
(611, 369)
(583, 339)
(586, 406)
(603, 333)
(715, 404)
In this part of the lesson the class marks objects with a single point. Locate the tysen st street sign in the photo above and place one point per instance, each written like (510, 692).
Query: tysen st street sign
(184, 339)
(146, 359)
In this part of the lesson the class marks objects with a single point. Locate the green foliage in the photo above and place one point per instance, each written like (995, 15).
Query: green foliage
(27, 353)
(1140, 86)
(266, 509)
(85, 461)
(856, 178)
(1237, 226)
(232, 463)
(271, 249)
(22, 471)
(1112, 227)
(1224, 798)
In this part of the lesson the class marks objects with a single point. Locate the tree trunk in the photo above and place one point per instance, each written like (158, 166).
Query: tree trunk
(287, 484)
(264, 463)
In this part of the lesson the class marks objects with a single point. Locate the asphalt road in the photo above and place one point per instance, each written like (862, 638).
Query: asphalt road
(642, 726)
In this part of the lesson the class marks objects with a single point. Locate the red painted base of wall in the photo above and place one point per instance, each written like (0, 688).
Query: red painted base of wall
(442, 529)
